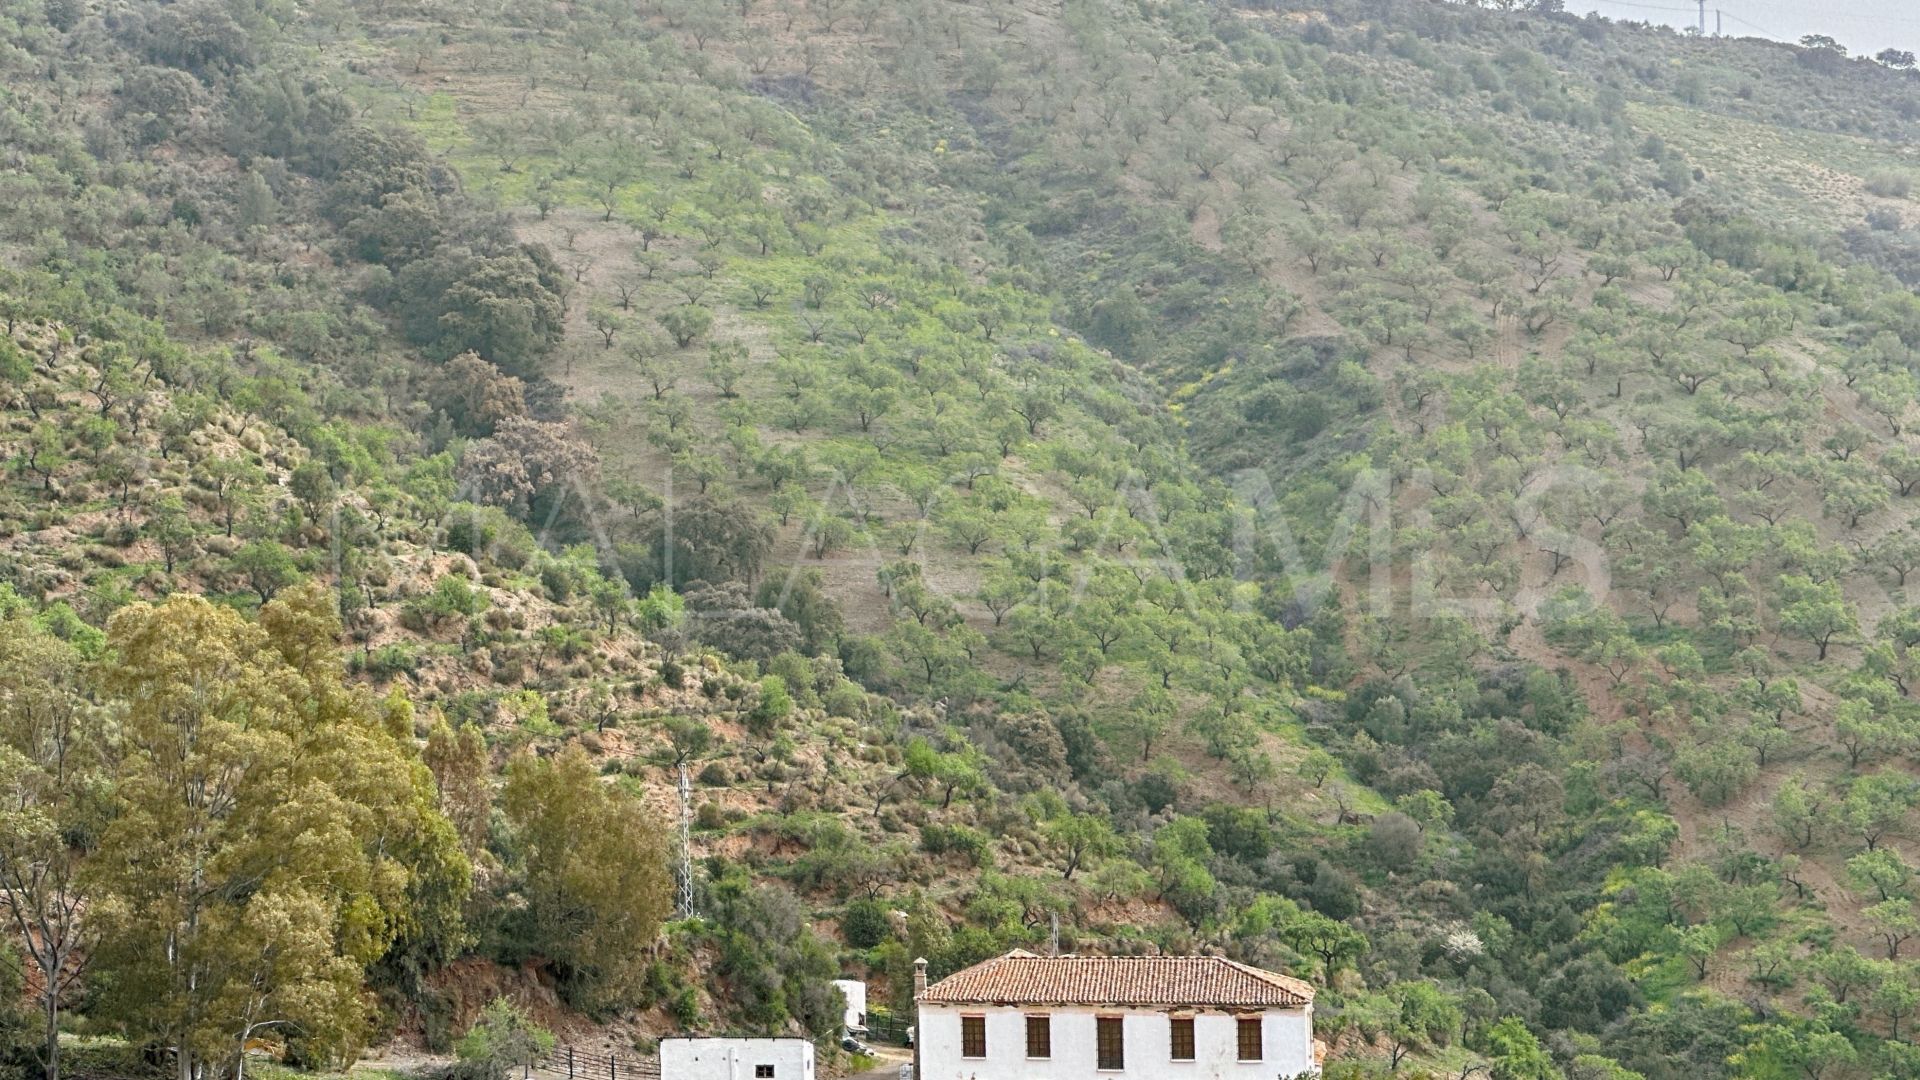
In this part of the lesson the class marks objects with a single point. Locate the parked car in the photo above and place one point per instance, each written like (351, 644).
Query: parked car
(854, 1046)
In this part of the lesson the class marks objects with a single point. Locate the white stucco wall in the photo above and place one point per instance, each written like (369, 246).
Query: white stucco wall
(855, 992)
(734, 1059)
(1286, 1035)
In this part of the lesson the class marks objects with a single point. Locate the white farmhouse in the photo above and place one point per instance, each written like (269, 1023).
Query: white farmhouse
(1027, 1017)
(855, 992)
(694, 1058)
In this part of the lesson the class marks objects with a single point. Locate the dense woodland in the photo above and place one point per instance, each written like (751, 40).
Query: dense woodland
(1416, 495)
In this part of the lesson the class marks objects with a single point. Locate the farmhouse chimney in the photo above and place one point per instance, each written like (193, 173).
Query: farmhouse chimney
(919, 991)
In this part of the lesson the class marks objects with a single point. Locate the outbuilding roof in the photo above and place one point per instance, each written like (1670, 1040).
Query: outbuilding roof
(1023, 978)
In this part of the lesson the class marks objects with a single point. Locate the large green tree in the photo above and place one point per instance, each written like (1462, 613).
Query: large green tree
(57, 796)
(596, 874)
(275, 835)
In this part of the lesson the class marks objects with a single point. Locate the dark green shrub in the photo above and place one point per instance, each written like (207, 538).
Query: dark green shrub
(865, 924)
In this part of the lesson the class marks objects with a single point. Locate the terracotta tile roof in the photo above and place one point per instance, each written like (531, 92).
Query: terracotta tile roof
(1020, 977)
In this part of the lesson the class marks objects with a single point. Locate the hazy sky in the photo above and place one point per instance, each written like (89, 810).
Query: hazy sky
(1864, 26)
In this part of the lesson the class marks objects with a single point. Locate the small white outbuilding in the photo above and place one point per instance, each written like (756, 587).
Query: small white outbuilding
(695, 1058)
(855, 992)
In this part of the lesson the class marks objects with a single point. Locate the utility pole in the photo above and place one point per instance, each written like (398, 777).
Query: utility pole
(1703, 18)
(1716, 22)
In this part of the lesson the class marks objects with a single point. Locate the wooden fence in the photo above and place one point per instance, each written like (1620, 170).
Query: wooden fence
(583, 1063)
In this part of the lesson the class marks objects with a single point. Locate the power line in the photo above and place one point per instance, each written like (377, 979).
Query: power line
(1650, 7)
(1790, 12)
(1754, 26)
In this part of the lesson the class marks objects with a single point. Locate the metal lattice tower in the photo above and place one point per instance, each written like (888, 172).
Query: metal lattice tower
(686, 845)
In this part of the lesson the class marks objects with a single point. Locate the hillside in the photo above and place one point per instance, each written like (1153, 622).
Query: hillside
(1414, 496)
